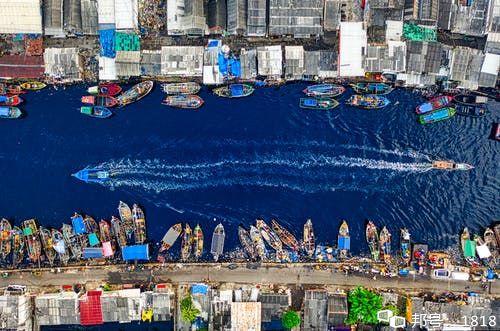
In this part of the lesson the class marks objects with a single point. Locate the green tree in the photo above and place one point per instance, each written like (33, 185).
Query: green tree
(188, 311)
(290, 319)
(363, 306)
(393, 308)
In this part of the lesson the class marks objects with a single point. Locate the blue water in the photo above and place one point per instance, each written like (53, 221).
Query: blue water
(261, 156)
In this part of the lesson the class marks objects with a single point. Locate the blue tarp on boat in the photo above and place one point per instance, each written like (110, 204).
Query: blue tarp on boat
(92, 253)
(344, 243)
(78, 226)
(107, 42)
(4, 98)
(4, 111)
(199, 289)
(310, 102)
(236, 90)
(135, 252)
(93, 239)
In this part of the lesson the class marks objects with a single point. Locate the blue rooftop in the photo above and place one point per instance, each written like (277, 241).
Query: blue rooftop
(135, 252)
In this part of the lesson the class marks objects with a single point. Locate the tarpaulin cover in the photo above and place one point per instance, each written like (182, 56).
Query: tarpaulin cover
(127, 42)
(199, 289)
(483, 251)
(344, 243)
(135, 252)
(214, 43)
(107, 249)
(93, 239)
(4, 98)
(222, 64)
(470, 248)
(418, 33)
(4, 111)
(90, 309)
(234, 67)
(27, 231)
(78, 225)
(310, 102)
(107, 41)
(60, 247)
(92, 253)
(236, 89)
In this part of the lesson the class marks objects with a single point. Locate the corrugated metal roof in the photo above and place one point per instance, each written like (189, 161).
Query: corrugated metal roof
(20, 66)
(353, 41)
(298, 18)
(11, 21)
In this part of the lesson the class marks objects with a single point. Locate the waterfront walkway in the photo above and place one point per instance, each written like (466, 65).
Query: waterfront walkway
(295, 274)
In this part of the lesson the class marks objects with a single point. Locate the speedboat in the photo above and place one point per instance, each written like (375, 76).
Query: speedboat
(93, 175)
(450, 165)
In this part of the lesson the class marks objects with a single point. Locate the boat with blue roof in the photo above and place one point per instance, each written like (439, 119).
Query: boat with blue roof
(10, 112)
(344, 240)
(368, 101)
(372, 88)
(434, 104)
(324, 90)
(96, 111)
(234, 91)
(437, 116)
(93, 175)
(321, 103)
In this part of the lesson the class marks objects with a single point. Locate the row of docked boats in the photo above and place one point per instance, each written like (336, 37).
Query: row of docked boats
(483, 249)
(107, 95)
(83, 239)
(10, 98)
(369, 96)
(444, 107)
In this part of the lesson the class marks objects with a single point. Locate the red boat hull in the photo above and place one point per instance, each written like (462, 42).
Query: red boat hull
(100, 100)
(12, 101)
(109, 89)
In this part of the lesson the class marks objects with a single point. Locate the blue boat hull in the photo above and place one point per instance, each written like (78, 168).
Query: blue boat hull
(95, 175)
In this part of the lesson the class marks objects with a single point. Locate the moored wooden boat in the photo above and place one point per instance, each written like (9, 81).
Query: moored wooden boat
(309, 240)
(110, 89)
(13, 89)
(385, 244)
(170, 237)
(490, 240)
(344, 240)
(14, 100)
(181, 88)
(218, 238)
(127, 220)
(183, 101)
(471, 110)
(368, 101)
(60, 246)
(318, 103)
(405, 246)
(246, 242)
(33, 86)
(139, 224)
(434, 104)
(324, 90)
(372, 240)
(5, 238)
(18, 247)
(285, 236)
(119, 232)
(470, 99)
(197, 241)
(258, 243)
(269, 235)
(372, 88)
(135, 93)
(47, 245)
(100, 100)
(10, 112)
(71, 241)
(187, 243)
(31, 237)
(234, 91)
(96, 111)
(436, 116)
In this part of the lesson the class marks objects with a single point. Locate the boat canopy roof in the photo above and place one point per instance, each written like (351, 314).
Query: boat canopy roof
(236, 89)
(107, 249)
(310, 102)
(27, 231)
(344, 243)
(135, 252)
(470, 248)
(93, 239)
(78, 225)
(483, 251)
(92, 252)
(4, 111)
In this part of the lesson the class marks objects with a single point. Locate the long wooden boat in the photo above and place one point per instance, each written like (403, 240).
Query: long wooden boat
(170, 237)
(72, 241)
(234, 91)
(139, 224)
(285, 236)
(48, 245)
(135, 93)
(372, 88)
(218, 238)
(468, 247)
(490, 240)
(18, 247)
(372, 240)
(344, 240)
(105, 231)
(324, 90)
(100, 100)
(10, 112)
(127, 219)
(368, 101)
(181, 88)
(183, 101)
(269, 235)
(496, 229)
(14, 100)
(5, 238)
(119, 232)
(318, 103)
(31, 236)
(197, 241)
(258, 243)
(309, 240)
(246, 242)
(470, 99)
(96, 111)
(11, 89)
(434, 104)
(90, 224)
(110, 89)
(475, 110)
(405, 246)
(385, 244)
(187, 243)
(60, 246)
(33, 86)
(438, 115)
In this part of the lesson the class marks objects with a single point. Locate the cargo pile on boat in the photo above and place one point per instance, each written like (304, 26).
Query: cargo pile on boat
(10, 98)
(81, 239)
(182, 95)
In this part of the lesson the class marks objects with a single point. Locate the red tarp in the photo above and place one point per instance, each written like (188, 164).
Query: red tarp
(90, 309)
(21, 66)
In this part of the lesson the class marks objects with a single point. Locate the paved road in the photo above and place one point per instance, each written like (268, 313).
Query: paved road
(292, 274)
